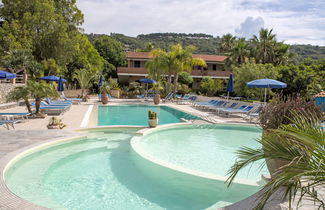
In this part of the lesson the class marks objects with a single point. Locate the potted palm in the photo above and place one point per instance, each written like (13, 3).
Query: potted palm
(104, 89)
(55, 123)
(152, 119)
(278, 113)
(301, 145)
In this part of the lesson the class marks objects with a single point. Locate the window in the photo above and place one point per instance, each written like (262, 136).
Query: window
(137, 64)
(214, 67)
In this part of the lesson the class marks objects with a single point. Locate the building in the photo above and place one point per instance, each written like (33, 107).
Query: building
(136, 68)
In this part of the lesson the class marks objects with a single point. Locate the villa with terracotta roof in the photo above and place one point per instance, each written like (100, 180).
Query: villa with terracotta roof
(136, 68)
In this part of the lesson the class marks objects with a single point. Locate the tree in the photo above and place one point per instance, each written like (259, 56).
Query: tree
(227, 43)
(112, 51)
(211, 86)
(239, 52)
(184, 61)
(84, 77)
(18, 60)
(251, 71)
(155, 67)
(185, 78)
(40, 90)
(264, 45)
(301, 80)
(21, 93)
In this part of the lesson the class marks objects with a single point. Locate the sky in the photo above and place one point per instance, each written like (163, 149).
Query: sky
(294, 21)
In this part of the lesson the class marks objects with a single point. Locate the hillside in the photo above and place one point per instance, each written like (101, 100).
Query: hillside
(206, 44)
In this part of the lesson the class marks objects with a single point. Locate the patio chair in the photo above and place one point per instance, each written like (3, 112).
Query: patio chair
(254, 114)
(50, 102)
(23, 115)
(140, 96)
(9, 123)
(215, 104)
(73, 100)
(227, 106)
(204, 103)
(168, 97)
(238, 111)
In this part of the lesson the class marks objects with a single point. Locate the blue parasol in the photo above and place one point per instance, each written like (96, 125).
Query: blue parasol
(52, 78)
(6, 75)
(60, 85)
(230, 85)
(266, 83)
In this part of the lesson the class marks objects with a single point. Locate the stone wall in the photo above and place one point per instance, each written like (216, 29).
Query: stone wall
(5, 88)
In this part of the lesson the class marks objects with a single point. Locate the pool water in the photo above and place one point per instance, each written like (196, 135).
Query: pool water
(138, 115)
(102, 172)
(204, 148)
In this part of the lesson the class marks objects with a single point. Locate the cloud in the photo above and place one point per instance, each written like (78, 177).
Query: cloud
(287, 18)
(250, 27)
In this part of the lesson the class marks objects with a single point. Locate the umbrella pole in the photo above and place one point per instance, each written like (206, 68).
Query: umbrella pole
(265, 96)
(228, 96)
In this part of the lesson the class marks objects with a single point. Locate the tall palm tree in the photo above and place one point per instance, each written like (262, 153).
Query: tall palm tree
(184, 61)
(239, 52)
(301, 146)
(155, 67)
(264, 45)
(227, 43)
(167, 63)
(84, 77)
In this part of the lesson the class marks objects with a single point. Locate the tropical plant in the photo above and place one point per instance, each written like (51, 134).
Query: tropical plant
(21, 93)
(40, 90)
(250, 71)
(239, 52)
(227, 43)
(301, 145)
(113, 84)
(185, 78)
(184, 61)
(211, 86)
(264, 45)
(84, 77)
(155, 67)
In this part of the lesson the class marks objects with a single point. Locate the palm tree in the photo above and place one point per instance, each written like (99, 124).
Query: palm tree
(40, 90)
(301, 146)
(167, 62)
(155, 67)
(184, 61)
(21, 93)
(264, 45)
(84, 77)
(227, 43)
(239, 52)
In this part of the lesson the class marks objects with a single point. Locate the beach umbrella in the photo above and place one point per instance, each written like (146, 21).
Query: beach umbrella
(52, 78)
(230, 85)
(147, 81)
(266, 83)
(60, 85)
(6, 75)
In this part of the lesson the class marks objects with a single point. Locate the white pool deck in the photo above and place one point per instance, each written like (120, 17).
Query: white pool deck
(33, 132)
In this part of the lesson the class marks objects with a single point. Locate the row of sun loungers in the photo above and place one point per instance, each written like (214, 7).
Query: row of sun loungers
(227, 108)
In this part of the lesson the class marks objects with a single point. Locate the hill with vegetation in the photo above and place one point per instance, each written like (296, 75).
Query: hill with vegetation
(206, 44)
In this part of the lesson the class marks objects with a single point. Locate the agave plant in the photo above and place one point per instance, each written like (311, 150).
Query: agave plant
(302, 145)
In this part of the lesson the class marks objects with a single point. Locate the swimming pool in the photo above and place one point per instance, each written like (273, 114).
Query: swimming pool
(138, 115)
(208, 149)
(102, 172)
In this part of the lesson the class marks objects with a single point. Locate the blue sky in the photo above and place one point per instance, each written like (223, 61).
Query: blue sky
(294, 21)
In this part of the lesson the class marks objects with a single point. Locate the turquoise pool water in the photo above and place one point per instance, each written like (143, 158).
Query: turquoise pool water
(102, 172)
(204, 148)
(138, 115)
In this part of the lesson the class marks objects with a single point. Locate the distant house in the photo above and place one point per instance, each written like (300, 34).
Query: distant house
(136, 68)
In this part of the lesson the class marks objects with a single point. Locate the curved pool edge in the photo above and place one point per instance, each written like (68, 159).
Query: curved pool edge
(135, 145)
(8, 199)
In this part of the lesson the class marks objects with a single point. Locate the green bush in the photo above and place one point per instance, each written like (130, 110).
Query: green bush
(210, 87)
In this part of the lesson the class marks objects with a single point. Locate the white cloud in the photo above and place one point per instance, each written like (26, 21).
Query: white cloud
(201, 16)
(250, 27)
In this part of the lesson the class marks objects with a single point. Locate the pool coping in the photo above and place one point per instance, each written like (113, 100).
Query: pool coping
(135, 144)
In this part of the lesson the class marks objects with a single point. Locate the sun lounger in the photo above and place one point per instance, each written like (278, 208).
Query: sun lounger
(227, 106)
(9, 123)
(23, 115)
(238, 111)
(205, 103)
(139, 96)
(168, 97)
(50, 102)
(73, 100)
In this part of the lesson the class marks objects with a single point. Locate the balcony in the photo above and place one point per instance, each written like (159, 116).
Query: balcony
(127, 71)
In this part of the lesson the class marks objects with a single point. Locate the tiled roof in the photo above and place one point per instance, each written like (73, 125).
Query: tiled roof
(146, 55)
